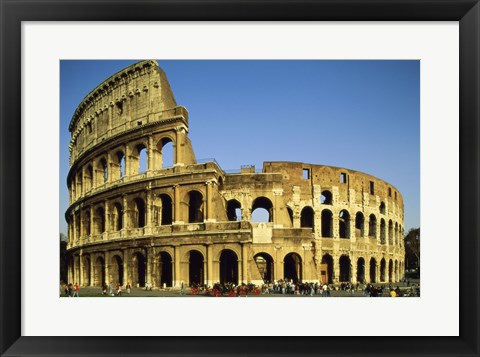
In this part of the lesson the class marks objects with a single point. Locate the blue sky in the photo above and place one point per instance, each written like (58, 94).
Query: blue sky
(362, 115)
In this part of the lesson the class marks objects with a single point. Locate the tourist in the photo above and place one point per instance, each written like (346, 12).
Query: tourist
(128, 287)
(75, 290)
(119, 289)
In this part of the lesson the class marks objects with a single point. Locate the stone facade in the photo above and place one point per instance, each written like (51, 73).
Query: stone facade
(192, 222)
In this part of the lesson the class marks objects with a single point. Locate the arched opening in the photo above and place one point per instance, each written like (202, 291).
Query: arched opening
(118, 167)
(165, 267)
(359, 225)
(396, 234)
(116, 270)
(264, 263)
(195, 207)
(344, 224)
(88, 228)
(262, 210)
(195, 268)
(99, 272)
(100, 220)
(89, 178)
(390, 271)
(234, 211)
(307, 218)
(383, 266)
(360, 270)
(290, 215)
(390, 232)
(382, 207)
(118, 216)
(373, 270)
(328, 260)
(372, 226)
(228, 267)
(139, 218)
(104, 168)
(142, 158)
(327, 224)
(382, 231)
(139, 269)
(165, 148)
(292, 267)
(344, 268)
(326, 198)
(167, 210)
(396, 273)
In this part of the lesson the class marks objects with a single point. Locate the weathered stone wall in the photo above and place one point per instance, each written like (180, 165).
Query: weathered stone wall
(192, 222)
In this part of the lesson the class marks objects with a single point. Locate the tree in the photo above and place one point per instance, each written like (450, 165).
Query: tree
(412, 248)
(63, 257)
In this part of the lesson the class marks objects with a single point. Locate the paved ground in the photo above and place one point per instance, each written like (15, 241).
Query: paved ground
(138, 292)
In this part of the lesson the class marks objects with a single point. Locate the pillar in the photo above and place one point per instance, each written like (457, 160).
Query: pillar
(176, 274)
(124, 213)
(244, 263)
(278, 271)
(150, 155)
(149, 255)
(336, 269)
(176, 191)
(81, 278)
(126, 267)
(107, 272)
(277, 194)
(179, 146)
(107, 220)
(210, 265)
(209, 213)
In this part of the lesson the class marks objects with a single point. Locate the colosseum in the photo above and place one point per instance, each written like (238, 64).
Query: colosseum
(191, 222)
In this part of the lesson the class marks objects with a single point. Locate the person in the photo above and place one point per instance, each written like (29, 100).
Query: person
(104, 289)
(110, 289)
(119, 289)
(128, 288)
(75, 290)
(182, 289)
(67, 293)
(393, 293)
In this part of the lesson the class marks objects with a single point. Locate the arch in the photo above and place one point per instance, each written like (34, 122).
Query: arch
(89, 178)
(326, 198)
(382, 207)
(360, 270)
(165, 147)
(167, 209)
(390, 232)
(290, 215)
(328, 261)
(228, 267)
(139, 268)
(327, 223)
(99, 272)
(100, 220)
(234, 210)
(292, 267)
(359, 225)
(372, 226)
(396, 272)
(390, 271)
(165, 269)
(382, 231)
(396, 234)
(118, 167)
(373, 270)
(265, 266)
(345, 270)
(383, 265)
(116, 269)
(344, 224)
(195, 207)
(142, 158)
(139, 213)
(117, 216)
(195, 268)
(265, 204)
(307, 217)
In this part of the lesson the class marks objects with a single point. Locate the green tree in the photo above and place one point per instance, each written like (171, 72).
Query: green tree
(412, 248)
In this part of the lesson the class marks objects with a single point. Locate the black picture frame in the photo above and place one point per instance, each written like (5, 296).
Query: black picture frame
(467, 12)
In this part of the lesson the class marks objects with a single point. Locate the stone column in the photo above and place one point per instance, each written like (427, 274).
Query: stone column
(124, 214)
(108, 280)
(148, 211)
(176, 190)
(109, 167)
(110, 117)
(74, 235)
(150, 167)
(179, 146)
(126, 267)
(91, 221)
(353, 269)
(209, 213)
(239, 269)
(107, 220)
(210, 265)
(244, 263)
(278, 272)
(336, 269)
(277, 193)
(149, 255)
(335, 224)
(177, 280)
